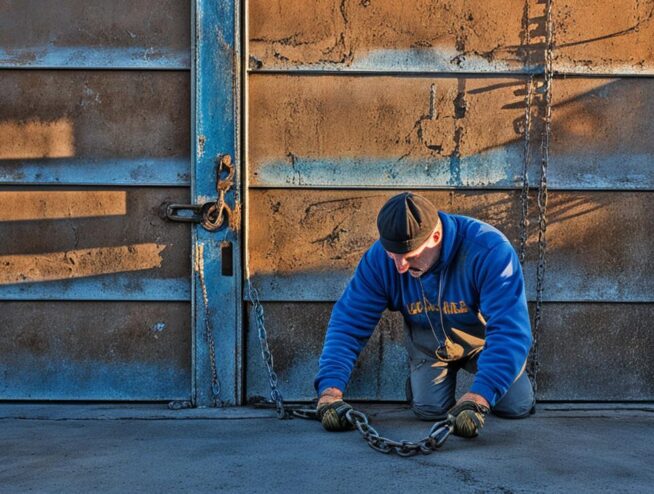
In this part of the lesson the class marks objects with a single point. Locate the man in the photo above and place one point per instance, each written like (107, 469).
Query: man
(458, 283)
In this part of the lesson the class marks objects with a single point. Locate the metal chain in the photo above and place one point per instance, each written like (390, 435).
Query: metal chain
(542, 192)
(524, 194)
(215, 213)
(208, 334)
(275, 394)
(438, 433)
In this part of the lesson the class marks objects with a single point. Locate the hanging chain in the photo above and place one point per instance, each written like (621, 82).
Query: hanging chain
(208, 334)
(524, 194)
(542, 191)
(275, 394)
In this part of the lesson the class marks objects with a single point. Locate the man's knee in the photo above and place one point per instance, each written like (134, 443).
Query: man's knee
(514, 410)
(430, 412)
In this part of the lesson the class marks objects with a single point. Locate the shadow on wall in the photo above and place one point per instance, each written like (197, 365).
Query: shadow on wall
(66, 234)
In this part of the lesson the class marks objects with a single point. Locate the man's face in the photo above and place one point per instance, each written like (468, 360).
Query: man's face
(419, 260)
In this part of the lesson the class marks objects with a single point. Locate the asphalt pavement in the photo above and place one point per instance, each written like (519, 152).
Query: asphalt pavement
(147, 448)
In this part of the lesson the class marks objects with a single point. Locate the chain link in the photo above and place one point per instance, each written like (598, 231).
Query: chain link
(214, 214)
(275, 394)
(542, 193)
(524, 194)
(438, 433)
(208, 334)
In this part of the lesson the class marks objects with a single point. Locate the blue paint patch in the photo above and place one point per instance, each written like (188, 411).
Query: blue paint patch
(58, 57)
(159, 327)
(133, 171)
(109, 287)
(440, 59)
(498, 168)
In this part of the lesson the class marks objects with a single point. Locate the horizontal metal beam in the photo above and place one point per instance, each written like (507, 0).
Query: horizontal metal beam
(328, 287)
(85, 58)
(431, 72)
(109, 287)
(498, 169)
(125, 172)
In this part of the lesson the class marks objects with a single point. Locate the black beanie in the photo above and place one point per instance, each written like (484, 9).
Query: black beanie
(405, 222)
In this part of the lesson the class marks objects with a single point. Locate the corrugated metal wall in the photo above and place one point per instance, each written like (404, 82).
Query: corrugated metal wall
(349, 99)
(94, 136)
(347, 102)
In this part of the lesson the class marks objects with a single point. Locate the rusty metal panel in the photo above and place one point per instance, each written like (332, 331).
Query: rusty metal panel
(599, 133)
(426, 36)
(307, 243)
(599, 247)
(385, 132)
(143, 34)
(597, 352)
(95, 351)
(296, 332)
(92, 243)
(615, 36)
(421, 35)
(586, 352)
(102, 127)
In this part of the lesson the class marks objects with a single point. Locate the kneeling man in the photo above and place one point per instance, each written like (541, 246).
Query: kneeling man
(458, 283)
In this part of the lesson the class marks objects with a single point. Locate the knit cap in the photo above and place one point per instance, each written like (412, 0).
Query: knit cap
(405, 222)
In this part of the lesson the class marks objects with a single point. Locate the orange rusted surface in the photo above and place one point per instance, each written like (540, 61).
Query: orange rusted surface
(600, 130)
(315, 238)
(98, 114)
(401, 119)
(615, 36)
(345, 33)
(82, 233)
(497, 35)
(321, 232)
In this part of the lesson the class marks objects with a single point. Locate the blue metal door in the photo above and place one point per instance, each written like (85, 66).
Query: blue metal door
(108, 111)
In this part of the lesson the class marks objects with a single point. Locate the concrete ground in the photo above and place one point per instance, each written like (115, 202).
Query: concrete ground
(147, 448)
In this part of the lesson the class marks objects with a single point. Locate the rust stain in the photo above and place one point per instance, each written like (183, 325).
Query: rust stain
(37, 139)
(380, 117)
(79, 263)
(592, 36)
(328, 231)
(601, 36)
(285, 33)
(48, 204)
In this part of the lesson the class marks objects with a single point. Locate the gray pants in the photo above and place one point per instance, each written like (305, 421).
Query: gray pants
(430, 389)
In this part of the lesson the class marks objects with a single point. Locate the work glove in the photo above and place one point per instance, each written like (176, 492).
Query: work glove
(467, 417)
(332, 416)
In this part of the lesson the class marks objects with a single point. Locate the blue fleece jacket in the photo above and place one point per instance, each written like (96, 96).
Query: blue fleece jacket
(482, 302)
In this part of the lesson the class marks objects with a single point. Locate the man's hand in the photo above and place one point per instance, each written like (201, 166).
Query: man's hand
(468, 415)
(332, 410)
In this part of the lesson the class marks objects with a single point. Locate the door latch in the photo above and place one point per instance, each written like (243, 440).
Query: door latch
(210, 215)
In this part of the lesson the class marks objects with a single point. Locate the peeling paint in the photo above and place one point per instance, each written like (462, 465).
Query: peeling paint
(158, 327)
